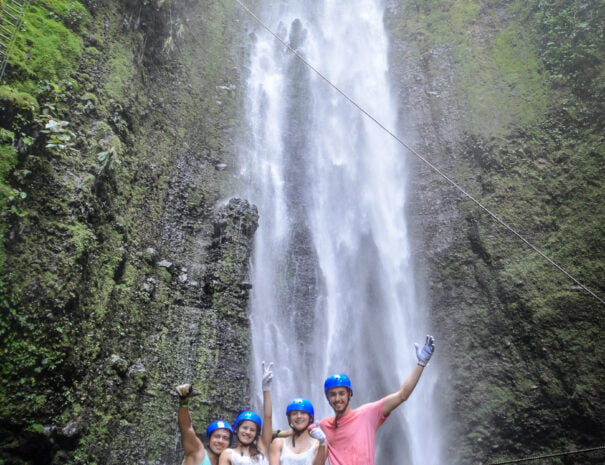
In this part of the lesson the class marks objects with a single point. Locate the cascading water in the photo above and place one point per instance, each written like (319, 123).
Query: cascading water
(333, 290)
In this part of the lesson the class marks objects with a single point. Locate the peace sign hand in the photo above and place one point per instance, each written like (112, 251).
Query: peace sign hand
(267, 376)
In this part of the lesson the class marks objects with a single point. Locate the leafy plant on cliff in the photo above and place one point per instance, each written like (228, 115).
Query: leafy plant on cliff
(60, 138)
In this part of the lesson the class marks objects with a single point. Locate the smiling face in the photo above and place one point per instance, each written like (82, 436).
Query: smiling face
(247, 431)
(299, 420)
(339, 399)
(219, 440)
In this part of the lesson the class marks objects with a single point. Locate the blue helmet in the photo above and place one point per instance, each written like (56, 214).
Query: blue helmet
(248, 415)
(301, 404)
(337, 381)
(218, 424)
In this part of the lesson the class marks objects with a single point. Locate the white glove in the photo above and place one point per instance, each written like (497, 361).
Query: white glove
(318, 434)
(267, 376)
(425, 353)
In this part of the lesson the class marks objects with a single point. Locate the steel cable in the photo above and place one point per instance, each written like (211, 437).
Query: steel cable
(548, 456)
(423, 159)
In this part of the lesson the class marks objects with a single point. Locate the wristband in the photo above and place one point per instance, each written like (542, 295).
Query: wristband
(184, 405)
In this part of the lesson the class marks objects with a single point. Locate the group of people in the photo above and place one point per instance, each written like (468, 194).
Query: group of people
(347, 438)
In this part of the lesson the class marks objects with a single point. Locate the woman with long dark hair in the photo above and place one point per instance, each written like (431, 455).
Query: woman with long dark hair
(253, 435)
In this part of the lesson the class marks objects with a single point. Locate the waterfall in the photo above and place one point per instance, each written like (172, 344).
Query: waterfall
(333, 288)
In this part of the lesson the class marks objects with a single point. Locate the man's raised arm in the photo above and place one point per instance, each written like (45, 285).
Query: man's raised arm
(424, 354)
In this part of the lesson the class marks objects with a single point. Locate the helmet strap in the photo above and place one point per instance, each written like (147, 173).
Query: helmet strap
(299, 432)
(243, 447)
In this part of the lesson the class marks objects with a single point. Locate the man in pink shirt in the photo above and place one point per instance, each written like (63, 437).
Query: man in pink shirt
(351, 433)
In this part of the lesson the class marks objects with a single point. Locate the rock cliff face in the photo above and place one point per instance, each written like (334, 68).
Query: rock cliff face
(486, 96)
(126, 262)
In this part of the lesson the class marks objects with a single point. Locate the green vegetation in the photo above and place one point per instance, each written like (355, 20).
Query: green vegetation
(104, 140)
(529, 84)
(44, 54)
(46, 49)
(499, 78)
(121, 71)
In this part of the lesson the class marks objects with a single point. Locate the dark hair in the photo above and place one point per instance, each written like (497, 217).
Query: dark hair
(254, 451)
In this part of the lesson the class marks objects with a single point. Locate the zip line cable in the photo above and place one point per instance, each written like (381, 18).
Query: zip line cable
(420, 157)
(539, 457)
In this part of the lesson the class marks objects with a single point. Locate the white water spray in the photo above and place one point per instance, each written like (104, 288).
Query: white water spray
(333, 288)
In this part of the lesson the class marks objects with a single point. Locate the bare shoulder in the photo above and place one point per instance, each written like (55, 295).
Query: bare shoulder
(225, 457)
(276, 446)
(195, 458)
(227, 452)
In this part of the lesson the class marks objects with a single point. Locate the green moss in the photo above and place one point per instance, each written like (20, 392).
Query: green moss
(165, 274)
(8, 153)
(502, 84)
(15, 98)
(82, 238)
(528, 77)
(36, 428)
(120, 72)
(92, 97)
(78, 258)
(8, 160)
(45, 49)
(500, 80)
(71, 13)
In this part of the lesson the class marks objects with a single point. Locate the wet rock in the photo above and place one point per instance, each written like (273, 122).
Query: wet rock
(117, 365)
(71, 429)
(150, 284)
(138, 374)
(136, 368)
(150, 255)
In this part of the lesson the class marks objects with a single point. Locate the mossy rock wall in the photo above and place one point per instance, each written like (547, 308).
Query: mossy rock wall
(504, 98)
(125, 261)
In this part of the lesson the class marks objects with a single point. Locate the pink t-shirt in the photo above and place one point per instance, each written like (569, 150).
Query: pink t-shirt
(353, 442)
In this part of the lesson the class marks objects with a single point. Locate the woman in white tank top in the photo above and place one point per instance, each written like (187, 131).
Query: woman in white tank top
(253, 434)
(303, 447)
